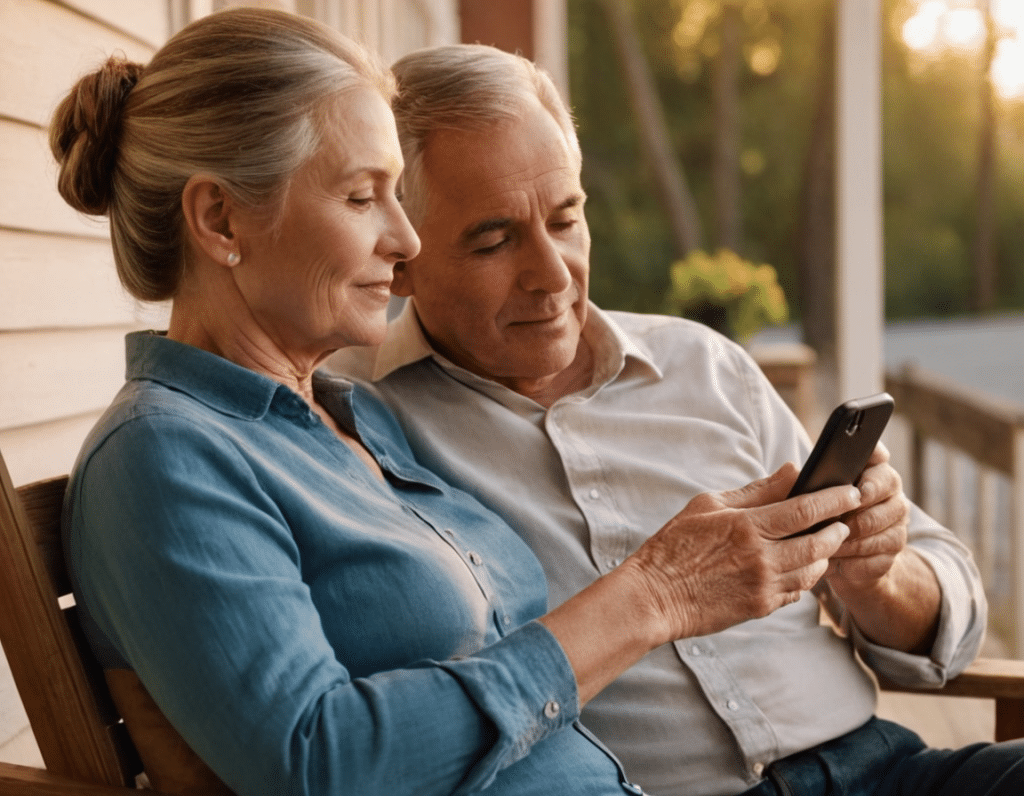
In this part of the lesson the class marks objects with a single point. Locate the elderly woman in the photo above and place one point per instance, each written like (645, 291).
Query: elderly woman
(264, 570)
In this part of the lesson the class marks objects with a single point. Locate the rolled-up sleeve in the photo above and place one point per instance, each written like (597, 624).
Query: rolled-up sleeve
(963, 614)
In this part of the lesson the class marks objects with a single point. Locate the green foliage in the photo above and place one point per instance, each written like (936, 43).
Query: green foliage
(930, 135)
(748, 293)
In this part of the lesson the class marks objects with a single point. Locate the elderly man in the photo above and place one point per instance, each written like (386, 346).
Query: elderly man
(587, 430)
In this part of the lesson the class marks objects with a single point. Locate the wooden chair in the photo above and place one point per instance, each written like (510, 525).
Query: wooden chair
(84, 743)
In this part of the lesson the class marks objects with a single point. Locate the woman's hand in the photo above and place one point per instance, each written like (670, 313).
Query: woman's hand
(723, 560)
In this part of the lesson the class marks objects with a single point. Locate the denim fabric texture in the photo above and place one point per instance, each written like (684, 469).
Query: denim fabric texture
(884, 759)
(307, 628)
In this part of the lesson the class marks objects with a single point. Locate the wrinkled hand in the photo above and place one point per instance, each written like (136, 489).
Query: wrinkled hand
(878, 528)
(724, 559)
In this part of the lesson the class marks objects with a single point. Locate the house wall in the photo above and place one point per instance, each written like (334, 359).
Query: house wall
(63, 315)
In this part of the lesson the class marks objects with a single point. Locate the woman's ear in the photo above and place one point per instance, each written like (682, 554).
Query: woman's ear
(208, 214)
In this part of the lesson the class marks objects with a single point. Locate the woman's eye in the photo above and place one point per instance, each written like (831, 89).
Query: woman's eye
(360, 201)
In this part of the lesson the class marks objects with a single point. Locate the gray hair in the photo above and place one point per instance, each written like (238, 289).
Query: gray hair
(241, 95)
(464, 87)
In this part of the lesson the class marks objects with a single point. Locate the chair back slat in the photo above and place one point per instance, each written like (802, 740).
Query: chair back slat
(42, 501)
(70, 711)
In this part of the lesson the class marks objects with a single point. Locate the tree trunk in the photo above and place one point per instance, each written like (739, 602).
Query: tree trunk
(670, 183)
(983, 283)
(726, 104)
(816, 266)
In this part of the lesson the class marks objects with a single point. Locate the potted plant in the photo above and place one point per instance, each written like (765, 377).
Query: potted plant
(731, 295)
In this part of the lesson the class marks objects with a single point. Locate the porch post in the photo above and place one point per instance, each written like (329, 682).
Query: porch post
(536, 29)
(860, 289)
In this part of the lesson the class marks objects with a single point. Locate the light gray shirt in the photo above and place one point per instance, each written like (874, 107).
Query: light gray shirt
(673, 410)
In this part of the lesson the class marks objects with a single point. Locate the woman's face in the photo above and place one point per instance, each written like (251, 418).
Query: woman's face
(321, 280)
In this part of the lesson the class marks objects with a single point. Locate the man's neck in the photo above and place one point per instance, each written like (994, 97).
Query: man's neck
(549, 389)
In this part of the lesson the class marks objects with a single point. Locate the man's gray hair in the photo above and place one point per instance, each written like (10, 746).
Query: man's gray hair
(464, 87)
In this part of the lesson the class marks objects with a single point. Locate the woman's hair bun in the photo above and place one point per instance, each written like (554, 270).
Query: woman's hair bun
(84, 134)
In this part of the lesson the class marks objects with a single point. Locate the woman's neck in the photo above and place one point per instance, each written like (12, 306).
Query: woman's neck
(222, 325)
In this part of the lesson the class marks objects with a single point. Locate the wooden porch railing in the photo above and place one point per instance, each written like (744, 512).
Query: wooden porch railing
(966, 468)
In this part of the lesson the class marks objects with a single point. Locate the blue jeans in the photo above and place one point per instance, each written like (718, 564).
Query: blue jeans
(884, 759)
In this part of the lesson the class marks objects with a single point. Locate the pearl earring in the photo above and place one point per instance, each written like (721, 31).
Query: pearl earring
(234, 258)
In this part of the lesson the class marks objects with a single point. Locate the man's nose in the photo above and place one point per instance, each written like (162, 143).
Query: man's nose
(544, 269)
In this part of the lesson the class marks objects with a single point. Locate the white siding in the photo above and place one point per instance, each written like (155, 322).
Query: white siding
(63, 314)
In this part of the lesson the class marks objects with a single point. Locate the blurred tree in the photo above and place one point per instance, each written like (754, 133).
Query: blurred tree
(783, 139)
(983, 261)
(725, 100)
(680, 213)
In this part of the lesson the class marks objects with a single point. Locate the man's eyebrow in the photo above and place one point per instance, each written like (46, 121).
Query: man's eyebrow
(485, 226)
(575, 200)
(503, 222)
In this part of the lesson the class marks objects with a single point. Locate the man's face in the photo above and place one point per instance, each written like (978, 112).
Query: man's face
(500, 284)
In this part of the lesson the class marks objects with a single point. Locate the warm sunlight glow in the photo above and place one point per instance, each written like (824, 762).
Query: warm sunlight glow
(964, 28)
(956, 24)
(921, 31)
(1008, 68)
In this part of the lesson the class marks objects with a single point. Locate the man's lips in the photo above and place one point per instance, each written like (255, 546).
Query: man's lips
(541, 319)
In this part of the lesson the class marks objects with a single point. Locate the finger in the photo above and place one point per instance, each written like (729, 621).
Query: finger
(762, 492)
(805, 511)
(860, 570)
(888, 541)
(894, 512)
(879, 482)
(880, 455)
(801, 551)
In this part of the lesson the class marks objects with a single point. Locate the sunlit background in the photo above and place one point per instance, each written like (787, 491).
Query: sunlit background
(960, 24)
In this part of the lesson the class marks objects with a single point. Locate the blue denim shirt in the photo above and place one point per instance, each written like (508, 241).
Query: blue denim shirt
(307, 628)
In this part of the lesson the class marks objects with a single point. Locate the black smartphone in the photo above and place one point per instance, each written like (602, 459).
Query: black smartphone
(844, 446)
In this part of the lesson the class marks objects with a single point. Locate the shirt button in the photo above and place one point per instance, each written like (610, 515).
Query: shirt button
(758, 769)
(552, 709)
(696, 651)
(733, 705)
(475, 557)
(594, 494)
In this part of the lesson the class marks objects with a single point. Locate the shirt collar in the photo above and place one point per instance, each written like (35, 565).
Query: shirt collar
(210, 379)
(612, 347)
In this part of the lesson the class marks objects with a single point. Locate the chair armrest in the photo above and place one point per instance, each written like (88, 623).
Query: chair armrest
(986, 678)
(18, 780)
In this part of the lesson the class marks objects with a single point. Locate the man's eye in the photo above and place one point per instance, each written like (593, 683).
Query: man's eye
(492, 248)
(360, 201)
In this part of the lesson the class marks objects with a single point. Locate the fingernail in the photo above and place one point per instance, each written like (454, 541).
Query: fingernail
(857, 494)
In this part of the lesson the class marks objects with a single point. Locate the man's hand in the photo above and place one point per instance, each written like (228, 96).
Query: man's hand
(891, 592)
(878, 528)
(724, 559)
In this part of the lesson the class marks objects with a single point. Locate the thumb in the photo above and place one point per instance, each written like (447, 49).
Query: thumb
(764, 491)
